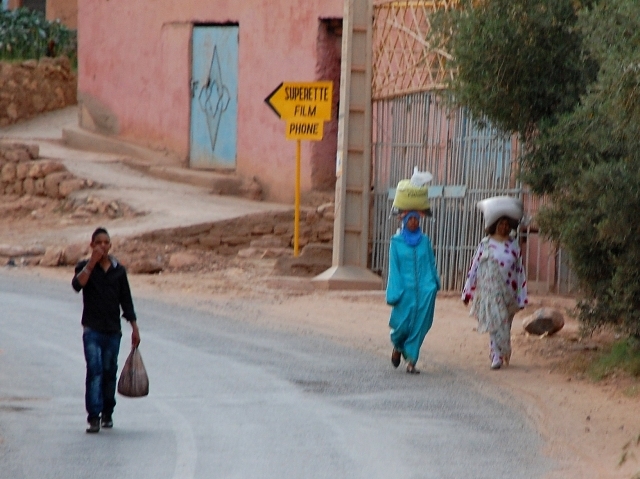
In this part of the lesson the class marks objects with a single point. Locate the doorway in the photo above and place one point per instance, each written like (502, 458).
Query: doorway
(214, 97)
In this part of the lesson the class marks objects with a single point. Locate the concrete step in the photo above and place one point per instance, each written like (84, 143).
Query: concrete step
(82, 139)
(162, 165)
(216, 183)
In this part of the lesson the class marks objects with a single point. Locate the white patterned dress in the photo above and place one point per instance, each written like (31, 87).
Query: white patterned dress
(497, 284)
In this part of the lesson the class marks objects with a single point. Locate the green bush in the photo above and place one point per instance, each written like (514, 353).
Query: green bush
(589, 164)
(26, 34)
(624, 356)
(596, 221)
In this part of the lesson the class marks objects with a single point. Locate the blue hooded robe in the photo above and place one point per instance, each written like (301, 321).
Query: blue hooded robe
(411, 291)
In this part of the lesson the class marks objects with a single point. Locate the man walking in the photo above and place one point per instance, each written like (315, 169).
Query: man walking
(105, 289)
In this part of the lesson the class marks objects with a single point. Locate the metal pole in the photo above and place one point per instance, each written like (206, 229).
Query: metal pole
(296, 220)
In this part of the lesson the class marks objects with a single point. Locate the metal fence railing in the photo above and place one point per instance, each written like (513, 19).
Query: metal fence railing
(469, 162)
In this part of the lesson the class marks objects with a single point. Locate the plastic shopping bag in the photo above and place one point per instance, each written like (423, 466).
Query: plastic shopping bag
(133, 381)
(409, 197)
(413, 194)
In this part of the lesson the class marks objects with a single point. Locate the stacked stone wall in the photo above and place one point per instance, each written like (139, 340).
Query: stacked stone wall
(32, 87)
(261, 231)
(22, 173)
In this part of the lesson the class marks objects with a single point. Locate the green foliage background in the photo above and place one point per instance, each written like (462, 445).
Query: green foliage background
(591, 163)
(518, 61)
(26, 34)
(565, 76)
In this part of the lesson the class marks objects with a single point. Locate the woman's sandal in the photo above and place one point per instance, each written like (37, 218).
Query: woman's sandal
(395, 358)
(411, 369)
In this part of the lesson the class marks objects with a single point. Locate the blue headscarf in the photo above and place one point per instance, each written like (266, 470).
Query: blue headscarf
(412, 238)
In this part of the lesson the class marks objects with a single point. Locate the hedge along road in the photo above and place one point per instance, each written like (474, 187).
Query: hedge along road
(229, 399)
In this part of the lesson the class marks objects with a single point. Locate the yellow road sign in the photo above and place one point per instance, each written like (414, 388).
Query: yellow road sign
(305, 106)
(303, 101)
(305, 130)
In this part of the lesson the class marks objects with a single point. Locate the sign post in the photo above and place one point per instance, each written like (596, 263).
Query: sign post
(305, 106)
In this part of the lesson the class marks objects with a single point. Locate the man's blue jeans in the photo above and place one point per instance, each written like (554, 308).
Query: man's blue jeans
(101, 354)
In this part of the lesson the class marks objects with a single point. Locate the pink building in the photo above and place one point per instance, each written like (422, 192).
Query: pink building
(190, 78)
(64, 10)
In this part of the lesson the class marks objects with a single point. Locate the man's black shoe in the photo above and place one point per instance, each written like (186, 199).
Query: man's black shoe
(94, 425)
(107, 422)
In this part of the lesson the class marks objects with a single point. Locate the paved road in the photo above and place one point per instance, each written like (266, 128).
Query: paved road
(229, 400)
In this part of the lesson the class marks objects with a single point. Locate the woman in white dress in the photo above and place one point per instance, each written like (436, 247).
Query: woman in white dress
(497, 284)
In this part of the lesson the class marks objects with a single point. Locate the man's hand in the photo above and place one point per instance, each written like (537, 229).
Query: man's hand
(135, 335)
(96, 255)
(97, 252)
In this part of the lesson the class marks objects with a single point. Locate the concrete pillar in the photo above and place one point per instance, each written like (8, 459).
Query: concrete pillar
(353, 162)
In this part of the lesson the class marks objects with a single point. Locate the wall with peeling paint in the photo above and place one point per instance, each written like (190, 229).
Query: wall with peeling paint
(134, 76)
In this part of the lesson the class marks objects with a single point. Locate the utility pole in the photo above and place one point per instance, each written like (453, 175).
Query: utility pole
(353, 163)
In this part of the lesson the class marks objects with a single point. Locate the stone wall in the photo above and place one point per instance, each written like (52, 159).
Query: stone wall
(259, 236)
(22, 172)
(262, 232)
(33, 87)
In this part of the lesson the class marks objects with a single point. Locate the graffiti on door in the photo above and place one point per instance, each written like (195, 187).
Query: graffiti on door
(214, 93)
(214, 98)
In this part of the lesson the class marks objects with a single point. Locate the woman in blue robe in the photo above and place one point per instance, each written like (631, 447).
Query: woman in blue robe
(411, 290)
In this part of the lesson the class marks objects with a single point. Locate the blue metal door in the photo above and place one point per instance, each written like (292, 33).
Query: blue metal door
(214, 97)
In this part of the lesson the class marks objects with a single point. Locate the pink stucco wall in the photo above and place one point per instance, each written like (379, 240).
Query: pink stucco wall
(135, 63)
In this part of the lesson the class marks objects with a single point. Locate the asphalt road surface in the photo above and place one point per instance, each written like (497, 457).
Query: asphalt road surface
(230, 400)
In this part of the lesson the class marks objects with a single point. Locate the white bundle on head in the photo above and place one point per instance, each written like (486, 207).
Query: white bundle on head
(496, 207)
